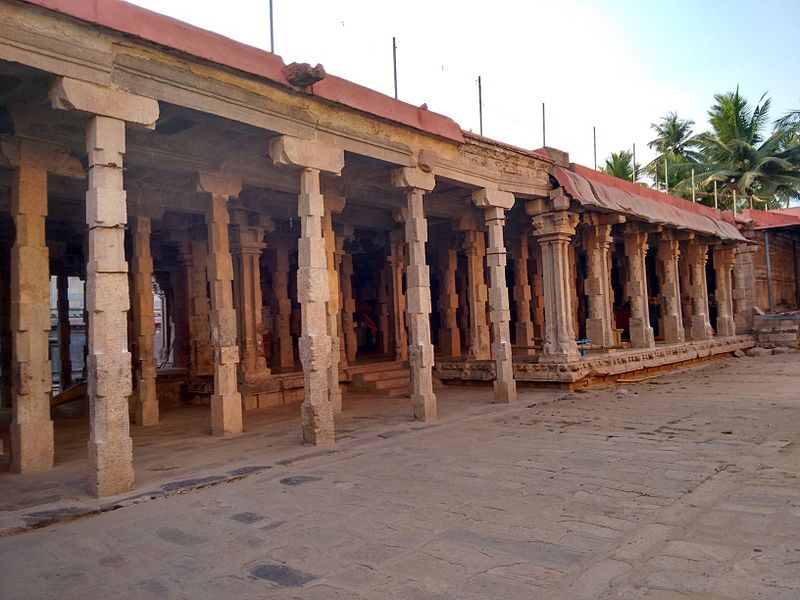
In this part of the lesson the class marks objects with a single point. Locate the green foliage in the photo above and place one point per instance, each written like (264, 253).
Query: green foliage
(620, 164)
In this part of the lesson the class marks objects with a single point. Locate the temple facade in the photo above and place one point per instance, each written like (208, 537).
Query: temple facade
(307, 236)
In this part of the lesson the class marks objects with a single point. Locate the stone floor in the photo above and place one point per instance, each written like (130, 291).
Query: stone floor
(685, 486)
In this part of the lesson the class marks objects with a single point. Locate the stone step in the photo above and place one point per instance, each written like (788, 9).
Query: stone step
(402, 382)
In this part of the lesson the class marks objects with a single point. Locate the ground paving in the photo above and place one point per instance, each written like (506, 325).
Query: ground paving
(684, 486)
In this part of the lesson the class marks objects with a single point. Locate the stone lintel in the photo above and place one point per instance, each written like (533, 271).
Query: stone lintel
(408, 178)
(470, 221)
(642, 227)
(72, 94)
(306, 154)
(218, 184)
(487, 197)
(682, 235)
(537, 206)
(56, 159)
(593, 218)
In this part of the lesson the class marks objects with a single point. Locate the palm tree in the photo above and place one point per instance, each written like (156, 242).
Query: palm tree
(676, 149)
(620, 164)
(737, 156)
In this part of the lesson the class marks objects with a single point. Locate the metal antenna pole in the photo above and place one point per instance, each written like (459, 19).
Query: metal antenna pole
(594, 136)
(694, 194)
(394, 62)
(544, 129)
(633, 175)
(480, 104)
(666, 176)
(716, 200)
(271, 30)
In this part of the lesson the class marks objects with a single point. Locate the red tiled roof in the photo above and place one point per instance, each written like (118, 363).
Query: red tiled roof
(769, 219)
(165, 31)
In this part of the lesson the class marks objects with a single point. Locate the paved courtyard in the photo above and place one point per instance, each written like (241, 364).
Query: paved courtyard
(684, 486)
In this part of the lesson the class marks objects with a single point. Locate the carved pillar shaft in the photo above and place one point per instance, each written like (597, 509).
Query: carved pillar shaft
(383, 308)
(597, 240)
(724, 259)
(635, 252)
(348, 308)
(449, 335)
(477, 294)
(333, 314)
(524, 329)
(396, 265)
(696, 259)
(671, 305)
(743, 288)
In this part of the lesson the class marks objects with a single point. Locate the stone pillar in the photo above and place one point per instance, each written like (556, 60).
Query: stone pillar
(281, 304)
(597, 240)
(64, 331)
(201, 358)
(696, 259)
(477, 294)
(671, 308)
(144, 324)
(312, 280)
(635, 252)
(553, 231)
(333, 204)
(5, 325)
(449, 335)
(247, 243)
(724, 259)
(495, 203)
(524, 330)
(107, 304)
(420, 354)
(226, 401)
(338, 256)
(383, 308)
(182, 302)
(348, 308)
(686, 289)
(396, 264)
(537, 294)
(31, 427)
(743, 288)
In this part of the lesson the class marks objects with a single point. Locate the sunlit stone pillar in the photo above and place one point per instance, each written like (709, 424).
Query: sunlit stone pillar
(226, 401)
(671, 307)
(64, 331)
(397, 263)
(635, 252)
(477, 294)
(743, 287)
(247, 243)
(202, 361)
(537, 295)
(522, 295)
(449, 335)
(144, 324)
(696, 259)
(724, 259)
(494, 204)
(597, 240)
(312, 280)
(420, 354)
(333, 203)
(553, 231)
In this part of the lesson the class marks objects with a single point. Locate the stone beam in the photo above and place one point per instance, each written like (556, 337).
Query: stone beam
(71, 94)
(306, 154)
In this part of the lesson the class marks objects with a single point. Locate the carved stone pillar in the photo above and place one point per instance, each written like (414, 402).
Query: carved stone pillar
(537, 295)
(201, 363)
(247, 244)
(397, 263)
(553, 231)
(383, 309)
(5, 324)
(495, 203)
(696, 259)
(312, 280)
(524, 330)
(144, 324)
(348, 308)
(724, 259)
(671, 306)
(226, 401)
(338, 257)
(449, 335)
(64, 332)
(181, 306)
(597, 240)
(334, 313)
(281, 303)
(477, 295)
(420, 356)
(743, 288)
(635, 252)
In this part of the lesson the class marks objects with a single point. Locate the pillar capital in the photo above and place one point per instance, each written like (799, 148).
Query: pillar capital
(71, 94)
(409, 178)
(218, 184)
(556, 225)
(490, 198)
(55, 159)
(306, 154)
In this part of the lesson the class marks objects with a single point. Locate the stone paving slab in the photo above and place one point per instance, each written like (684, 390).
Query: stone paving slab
(687, 486)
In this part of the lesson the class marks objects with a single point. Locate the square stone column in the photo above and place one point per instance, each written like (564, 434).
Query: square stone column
(553, 231)
(397, 263)
(312, 280)
(477, 295)
(31, 427)
(226, 401)
(278, 261)
(348, 308)
(537, 295)
(743, 288)
(144, 323)
(247, 244)
(383, 308)
(696, 259)
(495, 203)
(5, 324)
(669, 252)
(524, 330)
(182, 303)
(201, 359)
(724, 260)
(449, 335)
(64, 331)
(107, 304)
(338, 256)
(420, 352)
(334, 313)
(635, 252)
(597, 240)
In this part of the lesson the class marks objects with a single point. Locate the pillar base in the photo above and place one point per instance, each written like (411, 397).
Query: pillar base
(726, 326)
(31, 446)
(560, 358)
(641, 334)
(226, 414)
(505, 392)
(146, 403)
(672, 329)
(701, 328)
(110, 467)
(424, 406)
(598, 335)
(317, 425)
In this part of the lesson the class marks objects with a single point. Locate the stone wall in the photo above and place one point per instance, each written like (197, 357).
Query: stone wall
(784, 260)
(777, 331)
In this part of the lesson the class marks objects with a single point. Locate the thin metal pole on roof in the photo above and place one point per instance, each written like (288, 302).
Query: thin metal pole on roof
(716, 201)
(544, 129)
(734, 203)
(480, 104)
(594, 136)
(694, 193)
(769, 269)
(666, 176)
(394, 63)
(633, 175)
(271, 30)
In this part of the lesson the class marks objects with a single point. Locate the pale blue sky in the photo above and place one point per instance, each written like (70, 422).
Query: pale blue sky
(616, 64)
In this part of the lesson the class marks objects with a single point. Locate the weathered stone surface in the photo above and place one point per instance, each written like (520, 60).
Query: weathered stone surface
(635, 250)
